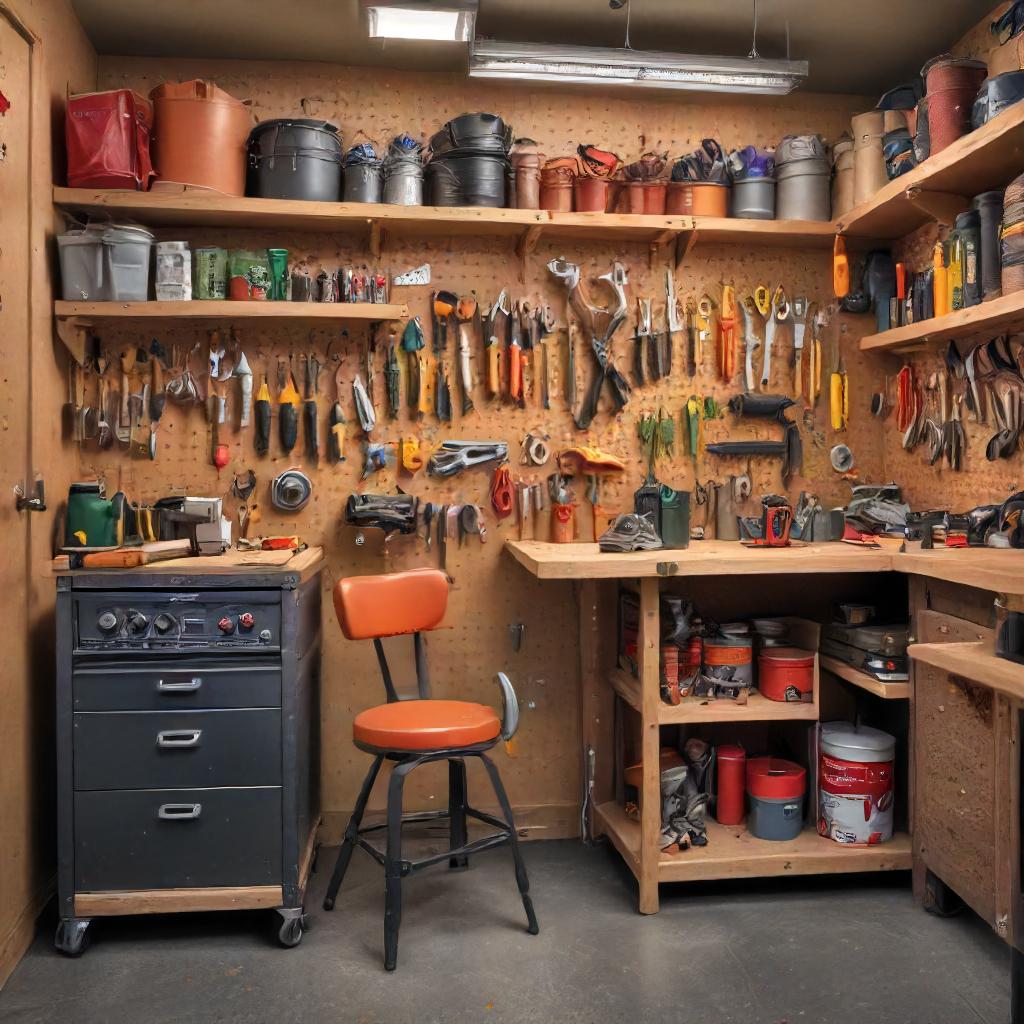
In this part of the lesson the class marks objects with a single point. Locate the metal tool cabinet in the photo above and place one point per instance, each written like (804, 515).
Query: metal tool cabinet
(187, 740)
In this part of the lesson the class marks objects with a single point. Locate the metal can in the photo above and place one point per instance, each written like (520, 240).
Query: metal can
(173, 271)
(210, 273)
(278, 261)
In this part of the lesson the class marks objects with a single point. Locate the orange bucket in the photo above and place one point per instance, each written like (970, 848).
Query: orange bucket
(590, 195)
(654, 198)
(697, 199)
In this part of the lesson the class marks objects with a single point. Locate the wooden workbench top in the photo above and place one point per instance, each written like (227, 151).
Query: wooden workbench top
(232, 563)
(985, 568)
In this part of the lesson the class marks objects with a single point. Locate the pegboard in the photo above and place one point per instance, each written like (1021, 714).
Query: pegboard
(490, 593)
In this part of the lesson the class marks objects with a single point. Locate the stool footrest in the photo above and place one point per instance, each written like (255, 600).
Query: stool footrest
(488, 819)
(409, 866)
(413, 816)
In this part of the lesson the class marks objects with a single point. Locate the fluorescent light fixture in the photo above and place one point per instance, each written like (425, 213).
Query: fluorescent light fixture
(451, 21)
(549, 62)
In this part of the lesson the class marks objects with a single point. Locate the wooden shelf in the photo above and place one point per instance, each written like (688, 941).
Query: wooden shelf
(627, 686)
(854, 676)
(703, 558)
(226, 310)
(997, 569)
(208, 209)
(985, 159)
(976, 662)
(997, 316)
(732, 852)
(757, 709)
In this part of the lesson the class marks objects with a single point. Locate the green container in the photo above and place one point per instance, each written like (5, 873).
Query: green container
(210, 273)
(278, 260)
(92, 521)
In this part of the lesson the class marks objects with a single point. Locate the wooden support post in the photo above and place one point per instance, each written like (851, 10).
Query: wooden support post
(74, 333)
(942, 207)
(526, 244)
(376, 238)
(649, 643)
(657, 243)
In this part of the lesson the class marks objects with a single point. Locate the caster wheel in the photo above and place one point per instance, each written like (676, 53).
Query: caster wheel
(939, 899)
(328, 903)
(72, 937)
(292, 927)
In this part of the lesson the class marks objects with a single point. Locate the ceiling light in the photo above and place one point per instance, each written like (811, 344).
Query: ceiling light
(451, 21)
(548, 62)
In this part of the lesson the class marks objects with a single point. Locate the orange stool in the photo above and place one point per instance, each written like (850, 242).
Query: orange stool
(412, 732)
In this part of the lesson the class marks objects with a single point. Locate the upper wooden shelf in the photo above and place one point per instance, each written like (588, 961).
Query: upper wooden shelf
(854, 676)
(985, 159)
(1000, 570)
(983, 321)
(976, 662)
(221, 310)
(377, 221)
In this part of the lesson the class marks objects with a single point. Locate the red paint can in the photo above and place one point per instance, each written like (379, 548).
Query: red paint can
(786, 674)
(731, 774)
(590, 195)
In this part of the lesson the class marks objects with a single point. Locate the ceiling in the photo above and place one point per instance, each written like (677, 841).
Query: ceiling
(855, 47)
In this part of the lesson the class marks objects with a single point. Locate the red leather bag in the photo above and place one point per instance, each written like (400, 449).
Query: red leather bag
(107, 135)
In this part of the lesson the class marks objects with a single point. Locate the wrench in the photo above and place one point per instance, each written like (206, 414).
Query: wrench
(779, 314)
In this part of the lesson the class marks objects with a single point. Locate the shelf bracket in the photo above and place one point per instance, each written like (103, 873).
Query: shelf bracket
(942, 207)
(685, 241)
(656, 244)
(525, 246)
(376, 238)
(73, 331)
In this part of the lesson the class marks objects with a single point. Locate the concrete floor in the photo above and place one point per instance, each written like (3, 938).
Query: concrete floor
(821, 951)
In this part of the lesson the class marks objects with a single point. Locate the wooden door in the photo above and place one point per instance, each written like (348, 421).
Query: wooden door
(16, 827)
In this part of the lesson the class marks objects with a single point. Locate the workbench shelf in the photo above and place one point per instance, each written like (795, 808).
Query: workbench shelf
(227, 310)
(374, 222)
(987, 158)
(998, 316)
(976, 662)
(732, 852)
(886, 690)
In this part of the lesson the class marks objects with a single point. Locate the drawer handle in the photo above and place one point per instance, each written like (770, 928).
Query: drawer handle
(179, 812)
(188, 687)
(179, 738)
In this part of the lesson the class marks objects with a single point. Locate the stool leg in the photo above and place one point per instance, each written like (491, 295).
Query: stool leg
(393, 864)
(521, 878)
(348, 844)
(458, 835)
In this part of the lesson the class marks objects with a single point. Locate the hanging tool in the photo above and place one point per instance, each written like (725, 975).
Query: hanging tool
(392, 376)
(657, 435)
(310, 413)
(818, 321)
(940, 281)
(675, 317)
(465, 314)
(443, 305)
(692, 414)
(336, 418)
(802, 312)
(955, 273)
(527, 335)
(690, 321)
(124, 415)
(244, 374)
(779, 315)
(751, 340)
(705, 327)
(840, 268)
(157, 389)
(412, 345)
(546, 323)
(365, 412)
(726, 354)
(900, 317)
(515, 355)
(641, 343)
(502, 492)
(571, 395)
(288, 402)
(222, 366)
(839, 398)
(498, 308)
(263, 418)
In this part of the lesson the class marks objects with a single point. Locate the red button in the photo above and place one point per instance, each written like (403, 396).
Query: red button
(246, 620)
(226, 625)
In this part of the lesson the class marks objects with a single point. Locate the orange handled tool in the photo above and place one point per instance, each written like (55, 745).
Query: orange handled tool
(727, 335)
(515, 357)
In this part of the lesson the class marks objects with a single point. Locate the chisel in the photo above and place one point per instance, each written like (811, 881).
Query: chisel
(309, 407)
(288, 402)
(263, 418)
(336, 420)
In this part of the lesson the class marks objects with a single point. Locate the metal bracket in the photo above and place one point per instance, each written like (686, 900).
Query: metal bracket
(667, 568)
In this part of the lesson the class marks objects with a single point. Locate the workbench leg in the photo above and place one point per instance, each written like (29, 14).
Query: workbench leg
(1016, 986)
(649, 653)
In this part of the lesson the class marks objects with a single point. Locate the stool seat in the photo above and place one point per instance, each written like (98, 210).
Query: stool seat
(425, 725)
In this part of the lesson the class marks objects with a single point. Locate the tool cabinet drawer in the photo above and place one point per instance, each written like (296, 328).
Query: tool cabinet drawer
(176, 749)
(165, 685)
(171, 839)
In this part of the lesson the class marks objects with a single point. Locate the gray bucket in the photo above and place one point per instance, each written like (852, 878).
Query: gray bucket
(362, 183)
(803, 191)
(754, 199)
(403, 182)
(105, 263)
(779, 820)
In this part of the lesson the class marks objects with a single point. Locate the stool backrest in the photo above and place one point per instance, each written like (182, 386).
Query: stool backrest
(372, 607)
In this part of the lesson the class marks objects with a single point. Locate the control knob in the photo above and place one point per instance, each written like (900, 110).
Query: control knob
(246, 620)
(107, 623)
(164, 623)
(137, 622)
(225, 625)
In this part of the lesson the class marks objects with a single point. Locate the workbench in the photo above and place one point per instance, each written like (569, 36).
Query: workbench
(188, 757)
(963, 705)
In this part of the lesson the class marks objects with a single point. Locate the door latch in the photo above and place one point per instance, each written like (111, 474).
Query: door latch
(35, 503)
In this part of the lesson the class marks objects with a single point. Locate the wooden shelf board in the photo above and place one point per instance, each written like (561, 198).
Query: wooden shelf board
(985, 159)
(210, 209)
(227, 310)
(890, 691)
(997, 316)
(627, 687)
(703, 558)
(757, 709)
(976, 662)
(997, 569)
(733, 853)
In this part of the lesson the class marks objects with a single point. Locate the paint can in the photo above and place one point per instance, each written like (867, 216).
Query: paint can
(754, 198)
(173, 272)
(729, 660)
(856, 784)
(697, 199)
(803, 190)
(786, 674)
(590, 195)
(210, 273)
(730, 776)
(776, 790)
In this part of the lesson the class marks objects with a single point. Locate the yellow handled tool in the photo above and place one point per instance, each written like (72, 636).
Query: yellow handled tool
(940, 281)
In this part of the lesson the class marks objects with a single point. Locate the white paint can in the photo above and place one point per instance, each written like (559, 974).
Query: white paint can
(173, 271)
(855, 783)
